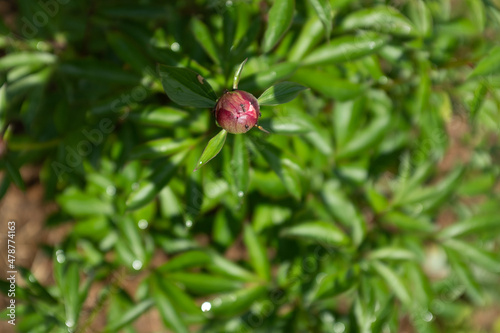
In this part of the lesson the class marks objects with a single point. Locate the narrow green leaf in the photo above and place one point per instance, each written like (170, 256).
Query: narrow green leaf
(325, 14)
(240, 164)
(391, 253)
(344, 210)
(185, 260)
(280, 93)
(287, 125)
(26, 59)
(181, 300)
(465, 275)
(369, 137)
(279, 19)
(213, 147)
(78, 203)
(14, 174)
(407, 222)
(3, 106)
(327, 84)
(129, 316)
(265, 78)
(159, 178)
(421, 16)
(237, 74)
(227, 267)
(319, 231)
(204, 37)
(166, 307)
(129, 51)
(383, 19)
(310, 35)
(477, 256)
(288, 171)
(187, 88)
(477, 101)
(483, 223)
(160, 148)
(393, 281)
(204, 284)
(160, 116)
(237, 302)
(489, 64)
(72, 301)
(345, 49)
(257, 253)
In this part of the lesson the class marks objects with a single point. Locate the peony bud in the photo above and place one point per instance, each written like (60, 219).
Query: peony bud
(237, 111)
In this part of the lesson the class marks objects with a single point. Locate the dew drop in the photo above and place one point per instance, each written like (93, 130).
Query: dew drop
(137, 265)
(143, 224)
(189, 223)
(428, 316)
(339, 327)
(70, 323)
(201, 162)
(60, 256)
(241, 194)
(111, 190)
(31, 278)
(206, 306)
(229, 3)
(175, 47)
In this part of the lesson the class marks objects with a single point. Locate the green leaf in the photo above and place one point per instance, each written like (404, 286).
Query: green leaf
(14, 174)
(383, 19)
(344, 210)
(78, 203)
(204, 37)
(391, 253)
(280, 93)
(345, 49)
(227, 267)
(421, 16)
(288, 171)
(310, 35)
(465, 275)
(325, 14)
(327, 84)
(26, 59)
(279, 19)
(185, 260)
(182, 301)
(482, 223)
(213, 147)
(240, 164)
(204, 284)
(319, 231)
(159, 178)
(187, 88)
(166, 308)
(129, 51)
(72, 302)
(3, 106)
(265, 78)
(257, 253)
(160, 116)
(393, 281)
(237, 302)
(489, 64)
(237, 74)
(160, 148)
(476, 256)
(129, 316)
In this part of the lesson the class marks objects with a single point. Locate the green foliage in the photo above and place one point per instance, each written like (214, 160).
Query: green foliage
(372, 206)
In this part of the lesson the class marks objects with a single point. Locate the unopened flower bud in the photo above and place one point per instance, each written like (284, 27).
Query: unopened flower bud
(237, 111)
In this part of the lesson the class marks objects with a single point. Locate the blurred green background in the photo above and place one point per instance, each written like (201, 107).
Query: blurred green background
(373, 205)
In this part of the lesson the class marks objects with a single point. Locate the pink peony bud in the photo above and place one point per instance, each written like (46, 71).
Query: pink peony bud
(237, 111)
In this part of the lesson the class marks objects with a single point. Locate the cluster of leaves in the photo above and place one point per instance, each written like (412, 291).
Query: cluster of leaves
(333, 221)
